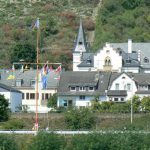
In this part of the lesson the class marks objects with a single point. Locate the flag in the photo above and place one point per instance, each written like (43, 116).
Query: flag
(58, 69)
(36, 24)
(11, 76)
(45, 70)
(44, 82)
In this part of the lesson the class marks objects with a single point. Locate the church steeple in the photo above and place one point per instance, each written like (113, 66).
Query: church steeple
(80, 43)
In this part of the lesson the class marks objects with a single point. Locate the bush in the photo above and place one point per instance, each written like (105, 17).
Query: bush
(7, 143)
(110, 141)
(14, 124)
(79, 119)
(4, 110)
(47, 141)
(120, 108)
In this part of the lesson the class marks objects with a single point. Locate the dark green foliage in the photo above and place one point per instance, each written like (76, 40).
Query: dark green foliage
(79, 119)
(13, 124)
(145, 104)
(110, 142)
(4, 110)
(7, 143)
(46, 141)
(122, 19)
(52, 101)
(25, 51)
(51, 27)
(90, 142)
(120, 108)
(95, 103)
(136, 103)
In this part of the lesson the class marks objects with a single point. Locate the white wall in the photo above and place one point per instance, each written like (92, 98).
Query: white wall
(14, 99)
(108, 51)
(123, 80)
(76, 61)
(31, 103)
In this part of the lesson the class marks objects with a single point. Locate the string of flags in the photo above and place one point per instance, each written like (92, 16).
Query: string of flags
(43, 74)
(45, 71)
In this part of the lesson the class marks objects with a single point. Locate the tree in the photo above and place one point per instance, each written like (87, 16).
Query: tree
(79, 119)
(95, 103)
(25, 51)
(4, 110)
(145, 104)
(52, 101)
(7, 143)
(136, 103)
(47, 141)
(51, 27)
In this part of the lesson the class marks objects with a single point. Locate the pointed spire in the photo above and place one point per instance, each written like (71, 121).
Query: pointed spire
(80, 43)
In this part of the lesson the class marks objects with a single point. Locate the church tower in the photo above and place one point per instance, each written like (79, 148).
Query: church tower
(79, 48)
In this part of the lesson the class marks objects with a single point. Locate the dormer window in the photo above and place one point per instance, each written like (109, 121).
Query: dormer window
(88, 61)
(82, 88)
(146, 60)
(19, 82)
(72, 88)
(128, 61)
(91, 88)
(32, 82)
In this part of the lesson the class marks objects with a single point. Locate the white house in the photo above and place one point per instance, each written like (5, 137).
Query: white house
(79, 89)
(13, 96)
(24, 82)
(114, 57)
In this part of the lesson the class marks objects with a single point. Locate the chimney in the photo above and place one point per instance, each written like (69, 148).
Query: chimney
(129, 45)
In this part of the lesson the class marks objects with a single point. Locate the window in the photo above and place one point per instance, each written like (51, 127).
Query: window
(146, 60)
(22, 95)
(128, 61)
(91, 88)
(18, 82)
(32, 95)
(128, 86)
(115, 99)
(72, 88)
(107, 51)
(81, 88)
(82, 97)
(117, 86)
(27, 95)
(46, 96)
(65, 102)
(122, 99)
(32, 83)
(107, 61)
(42, 96)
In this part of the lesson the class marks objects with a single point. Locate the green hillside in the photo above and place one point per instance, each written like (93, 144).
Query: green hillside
(119, 20)
(59, 21)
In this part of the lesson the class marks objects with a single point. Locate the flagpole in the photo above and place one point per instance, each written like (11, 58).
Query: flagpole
(37, 72)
